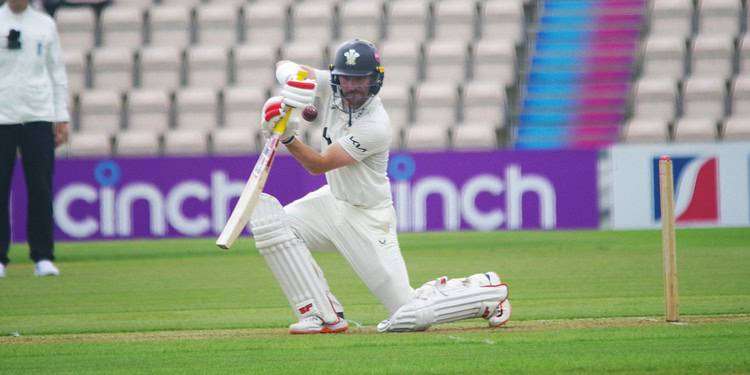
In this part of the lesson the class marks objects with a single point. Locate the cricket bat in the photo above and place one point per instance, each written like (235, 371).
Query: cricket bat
(255, 183)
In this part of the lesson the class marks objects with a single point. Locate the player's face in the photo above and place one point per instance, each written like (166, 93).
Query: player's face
(355, 90)
(18, 5)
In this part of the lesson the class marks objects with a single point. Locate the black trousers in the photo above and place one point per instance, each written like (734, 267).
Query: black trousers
(36, 141)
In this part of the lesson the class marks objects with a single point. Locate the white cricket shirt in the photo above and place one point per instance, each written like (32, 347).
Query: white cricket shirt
(33, 84)
(364, 184)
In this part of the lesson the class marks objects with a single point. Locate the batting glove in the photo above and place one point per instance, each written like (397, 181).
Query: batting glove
(273, 111)
(299, 94)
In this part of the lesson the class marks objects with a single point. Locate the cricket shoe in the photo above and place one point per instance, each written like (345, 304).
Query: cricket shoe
(2, 270)
(315, 324)
(499, 314)
(45, 268)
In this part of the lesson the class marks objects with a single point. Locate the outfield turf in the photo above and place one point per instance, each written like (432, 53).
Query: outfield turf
(582, 302)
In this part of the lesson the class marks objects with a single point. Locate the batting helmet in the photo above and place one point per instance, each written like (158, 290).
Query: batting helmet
(357, 58)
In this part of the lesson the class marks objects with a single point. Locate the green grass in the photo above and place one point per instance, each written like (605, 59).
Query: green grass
(582, 302)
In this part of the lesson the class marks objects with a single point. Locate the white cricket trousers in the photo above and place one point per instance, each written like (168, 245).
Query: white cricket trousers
(365, 237)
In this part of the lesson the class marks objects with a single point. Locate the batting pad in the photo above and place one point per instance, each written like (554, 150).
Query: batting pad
(290, 261)
(444, 300)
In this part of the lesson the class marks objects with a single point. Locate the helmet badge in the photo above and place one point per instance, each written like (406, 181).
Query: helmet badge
(351, 57)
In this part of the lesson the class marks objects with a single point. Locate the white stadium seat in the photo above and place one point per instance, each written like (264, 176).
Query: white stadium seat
(445, 60)
(407, 20)
(483, 103)
(75, 67)
(695, 130)
(672, 17)
(429, 136)
(494, 60)
(502, 18)
(474, 136)
(185, 142)
(142, 142)
(170, 25)
(396, 97)
(148, 109)
(265, 22)
(312, 21)
(361, 19)
(646, 130)
(741, 96)
(402, 60)
(100, 111)
(112, 68)
(655, 98)
(713, 55)
(76, 28)
(455, 20)
(254, 65)
(242, 106)
(435, 102)
(737, 128)
(311, 53)
(90, 144)
(122, 26)
(703, 97)
(217, 24)
(196, 108)
(207, 66)
(160, 67)
(720, 17)
(234, 141)
(664, 56)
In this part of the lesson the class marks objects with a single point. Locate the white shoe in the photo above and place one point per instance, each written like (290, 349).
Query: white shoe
(315, 324)
(45, 268)
(2, 270)
(501, 315)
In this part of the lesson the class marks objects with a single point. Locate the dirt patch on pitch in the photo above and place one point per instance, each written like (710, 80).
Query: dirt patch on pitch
(462, 327)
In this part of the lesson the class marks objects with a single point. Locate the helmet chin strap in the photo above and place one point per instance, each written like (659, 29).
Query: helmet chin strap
(346, 108)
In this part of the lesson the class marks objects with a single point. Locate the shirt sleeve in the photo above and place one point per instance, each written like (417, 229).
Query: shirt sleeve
(56, 70)
(365, 139)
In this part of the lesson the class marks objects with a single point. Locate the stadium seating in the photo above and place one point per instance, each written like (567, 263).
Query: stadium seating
(122, 26)
(112, 68)
(265, 22)
(101, 112)
(242, 105)
(407, 19)
(474, 136)
(362, 19)
(160, 67)
(217, 24)
(157, 75)
(170, 25)
(455, 19)
(77, 26)
(196, 109)
(207, 66)
(148, 109)
(654, 68)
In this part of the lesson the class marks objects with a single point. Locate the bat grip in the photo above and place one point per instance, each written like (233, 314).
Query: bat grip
(281, 125)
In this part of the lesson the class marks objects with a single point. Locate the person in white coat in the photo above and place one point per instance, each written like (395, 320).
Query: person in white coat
(353, 213)
(33, 120)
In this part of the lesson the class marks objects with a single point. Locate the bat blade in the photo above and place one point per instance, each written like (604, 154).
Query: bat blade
(255, 183)
(249, 197)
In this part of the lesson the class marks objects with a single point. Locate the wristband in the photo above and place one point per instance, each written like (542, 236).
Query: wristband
(288, 140)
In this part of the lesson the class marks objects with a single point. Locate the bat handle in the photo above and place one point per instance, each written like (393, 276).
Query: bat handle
(281, 125)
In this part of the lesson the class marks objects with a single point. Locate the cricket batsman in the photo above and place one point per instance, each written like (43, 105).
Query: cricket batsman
(353, 213)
